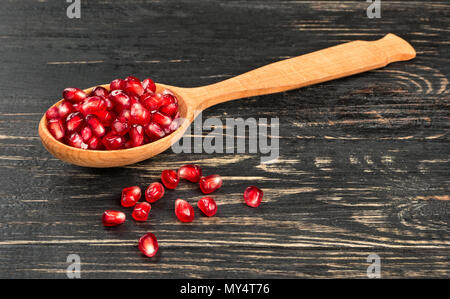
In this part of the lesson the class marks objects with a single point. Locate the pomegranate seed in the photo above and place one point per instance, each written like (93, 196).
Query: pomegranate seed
(116, 84)
(95, 143)
(132, 79)
(169, 110)
(253, 196)
(174, 125)
(184, 211)
(86, 133)
(149, 85)
(169, 178)
(189, 172)
(141, 211)
(112, 141)
(154, 131)
(210, 183)
(154, 192)
(161, 119)
(95, 125)
(121, 99)
(52, 113)
(125, 116)
(113, 218)
(65, 108)
(109, 103)
(99, 92)
(75, 140)
(106, 117)
(151, 101)
(130, 196)
(139, 115)
(93, 105)
(74, 94)
(56, 128)
(128, 144)
(168, 98)
(148, 245)
(133, 88)
(137, 135)
(207, 205)
(120, 127)
(74, 122)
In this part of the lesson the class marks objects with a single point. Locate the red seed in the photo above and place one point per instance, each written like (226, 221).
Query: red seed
(86, 133)
(210, 183)
(95, 143)
(74, 122)
(253, 196)
(109, 103)
(141, 211)
(161, 119)
(151, 101)
(133, 88)
(125, 115)
(169, 109)
(93, 105)
(65, 108)
(132, 79)
(120, 126)
(168, 98)
(116, 84)
(149, 85)
(184, 211)
(56, 128)
(74, 94)
(169, 178)
(137, 135)
(190, 172)
(121, 99)
(139, 115)
(113, 218)
(208, 206)
(75, 140)
(99, 91)
(148, 245)
(154, 131)
(113, 141)
(95, 125)
(154, 192)
(130, 196)
(52, 113)
(106, 117)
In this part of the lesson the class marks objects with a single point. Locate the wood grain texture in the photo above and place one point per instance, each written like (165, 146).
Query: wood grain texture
(363, 167)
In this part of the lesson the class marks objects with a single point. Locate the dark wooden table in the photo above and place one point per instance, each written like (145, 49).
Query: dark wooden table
(363, 166)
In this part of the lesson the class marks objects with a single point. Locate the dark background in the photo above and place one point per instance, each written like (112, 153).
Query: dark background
(363, 164)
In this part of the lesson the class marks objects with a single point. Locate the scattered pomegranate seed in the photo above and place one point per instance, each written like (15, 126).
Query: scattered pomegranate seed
(149, 85)
(75, 140)
(139, 115)
(116, 84)
(154, 131)
(56, 128)
(137, 135)
(253, 196)
(95, 125)
(113, 218)
(141, 211)
(189, 172)
(74, 94)
(154, 192)
(207, 205)
(184, 211)
(112, 141)
(210, 183)
(130, 196)
(148, 245)
(169, 178)
(74, 122)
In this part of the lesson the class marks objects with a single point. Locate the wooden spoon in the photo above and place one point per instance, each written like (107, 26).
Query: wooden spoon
(324, 65)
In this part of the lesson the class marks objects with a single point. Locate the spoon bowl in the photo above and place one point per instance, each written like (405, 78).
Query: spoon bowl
(320, 66)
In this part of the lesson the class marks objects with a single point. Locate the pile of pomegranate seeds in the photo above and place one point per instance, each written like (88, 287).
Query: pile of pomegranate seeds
(130, 114)
(184, 211)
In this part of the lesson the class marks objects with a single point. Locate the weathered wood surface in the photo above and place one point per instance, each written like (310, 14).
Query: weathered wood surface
(363, 164)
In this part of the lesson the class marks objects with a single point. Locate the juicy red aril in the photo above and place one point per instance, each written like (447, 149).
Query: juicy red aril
(161, 119)
(132, 79)
(95, 125)
(86, 133)
(169, 178)
(120, 98)
(154, 131)
(121, 127)
(109, 104)
(134, 88)
(65, 108)
(208, 206)
(74, 122)
(184, 211)
(75, 140)
(151, 101)
(74, 94)
(137, 135)
(149, 85)
(189, 172)
(210, 183)
(141, 211)
(148, 245)
(154, 192)
(130, 196)
(170, 109)
(92, 105)
(125, 115)
(113, 218)
(139, 115)
(112, 141)
(52, 113)
(56, 128)
(253, 196)
(95, 143)
(106, 117)
(99, 92)
(168, 98)
(116, 84)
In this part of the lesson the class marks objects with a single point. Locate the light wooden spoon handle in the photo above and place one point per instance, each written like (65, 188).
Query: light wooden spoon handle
(320, 66)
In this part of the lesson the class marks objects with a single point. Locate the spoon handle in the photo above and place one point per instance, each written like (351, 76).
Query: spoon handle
(316, 67)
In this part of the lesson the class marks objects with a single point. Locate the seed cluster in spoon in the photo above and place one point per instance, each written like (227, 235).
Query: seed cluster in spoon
(131, 113)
